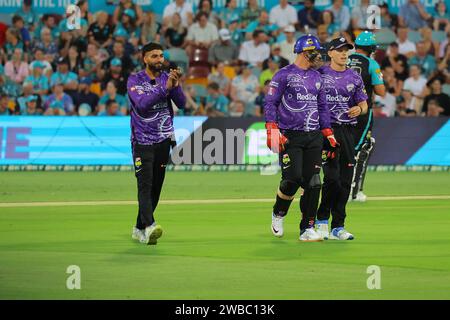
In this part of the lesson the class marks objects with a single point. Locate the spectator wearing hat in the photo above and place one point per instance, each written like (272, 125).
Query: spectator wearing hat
(28, 15)
(441, 100)
(223, 50)
(33, 107)
(176, 32)
(183, 8)
(218, 76)
(100, 32)
(229, 12)
(251, 12)
(268, 73)
(59, 103)
(115, 73)
(84, 94)
(128, 22)
(121, 36)
(38, 79)
(255, 51)
(111, 94)
(287, 45)
(341, 14)
(275, 55)
(63, 76)
(283, 14)
(112, 108)
(124, 5)
(308, 17)
(16, 69)
(202, 33)
(413, 15)
(4, 105)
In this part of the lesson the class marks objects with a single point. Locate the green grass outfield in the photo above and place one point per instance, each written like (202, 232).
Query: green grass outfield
(221, 250)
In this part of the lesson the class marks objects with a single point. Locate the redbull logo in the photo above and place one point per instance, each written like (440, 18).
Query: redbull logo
(307, 97)
(337, 98)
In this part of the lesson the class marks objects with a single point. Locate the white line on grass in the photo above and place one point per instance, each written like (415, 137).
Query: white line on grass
(209, 201)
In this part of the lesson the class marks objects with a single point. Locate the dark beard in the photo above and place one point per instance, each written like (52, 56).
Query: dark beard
(155, 69)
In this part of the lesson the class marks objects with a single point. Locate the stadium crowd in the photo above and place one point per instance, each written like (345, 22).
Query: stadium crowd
(228, 56)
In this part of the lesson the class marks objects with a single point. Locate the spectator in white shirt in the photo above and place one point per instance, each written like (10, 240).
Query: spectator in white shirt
(202, 33)
(416, 85)
(181, 7)
(405, 46)
(283, 14)
(255, 51)
(287, 46)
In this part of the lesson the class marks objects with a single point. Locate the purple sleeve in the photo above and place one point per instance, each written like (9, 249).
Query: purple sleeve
(141, 99)
(324, 112)
(360, 94)
(273, 97)
(177, 95)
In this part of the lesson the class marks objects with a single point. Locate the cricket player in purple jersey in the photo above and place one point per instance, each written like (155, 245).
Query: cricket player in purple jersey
(150, 92)
(346, 99)
(295, 112)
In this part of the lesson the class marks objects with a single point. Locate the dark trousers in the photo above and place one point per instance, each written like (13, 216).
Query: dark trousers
(300, 167)
(338, 174)
(150, 168)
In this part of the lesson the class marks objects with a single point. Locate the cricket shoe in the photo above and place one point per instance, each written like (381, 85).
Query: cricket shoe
(151, 234)
(277, 225)
(322, 229)
(137, 234)
(340, 234)
(360, 197)
(310, 235)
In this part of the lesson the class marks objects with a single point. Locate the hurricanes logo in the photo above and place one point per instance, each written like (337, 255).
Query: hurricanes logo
(286, 159)
(350, 87)
(309, 41)
(318, 85)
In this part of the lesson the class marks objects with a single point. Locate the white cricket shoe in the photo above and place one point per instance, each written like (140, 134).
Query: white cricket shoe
(277, 225)
(151, 234)
(360, 197)
(340, 234)
(137, 234)
(310, 235)
(322, 229)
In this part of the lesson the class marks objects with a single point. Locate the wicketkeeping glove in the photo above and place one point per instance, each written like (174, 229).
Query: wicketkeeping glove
(275, 139)
(330, 145)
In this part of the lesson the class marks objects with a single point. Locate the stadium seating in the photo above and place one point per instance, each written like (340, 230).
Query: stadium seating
(414, 36)
(179, 57)
(385, 36)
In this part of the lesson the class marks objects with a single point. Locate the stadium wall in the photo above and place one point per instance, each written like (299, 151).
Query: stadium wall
(37, 143)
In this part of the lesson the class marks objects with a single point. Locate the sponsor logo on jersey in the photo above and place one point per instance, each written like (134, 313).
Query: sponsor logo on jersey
(338, 98)
(307, 97)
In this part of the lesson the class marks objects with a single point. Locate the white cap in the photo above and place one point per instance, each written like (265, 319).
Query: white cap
(289, 28)
(224, 34)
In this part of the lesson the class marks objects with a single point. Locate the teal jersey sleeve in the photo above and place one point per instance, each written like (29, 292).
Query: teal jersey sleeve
(375, 73)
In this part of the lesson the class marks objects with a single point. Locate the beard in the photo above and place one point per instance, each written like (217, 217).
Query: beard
(157, 67)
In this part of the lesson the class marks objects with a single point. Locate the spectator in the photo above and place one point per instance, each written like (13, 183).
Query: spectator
(283, 14)
(26, 12)
(206, 6)
(19, 24)
(223, 50)
(237, 34)
(387, 19)
(4, 105)
(181, 7)
(216, 102)
(444, 65)
(228, 13)
(416, 85)
(268, 73)
(341, 14)
(21, 102)
(251, 12)
(92, 61)
(262, 24)
(275, 55)
(412, 15)
(150, 29)
(128, 4)
(59, 103)
(398, 61)
(16, 69)
(46, 43)
(118, 51)
(360, 16)
(9, 87)
(74, 60)
(176, 33)
(261, 99)
(48, 21)
(84, 94)
(287, 46)
(441, 100)
(128, 23)
(32, 107)
(308, 17)
(245, 87)
(327, 19)
(219, 77)
(237, 108)
(63, 76)
(392, 83)
(84, 11)
(202, 33)
(255, 51)
(111, 94)
(100, 32)
(431, 47)
(387, 105)
(112, 109)
(116, 73)
(423, 59)
(13, 41)
(405, 46)
(38, 79)
(441, 17)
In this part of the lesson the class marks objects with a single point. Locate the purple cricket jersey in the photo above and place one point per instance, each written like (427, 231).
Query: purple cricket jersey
(296, 100)
(151, 110)
(343, 90)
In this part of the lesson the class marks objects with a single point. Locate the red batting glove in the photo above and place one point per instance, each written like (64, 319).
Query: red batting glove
(275, 139)
(329, 151)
